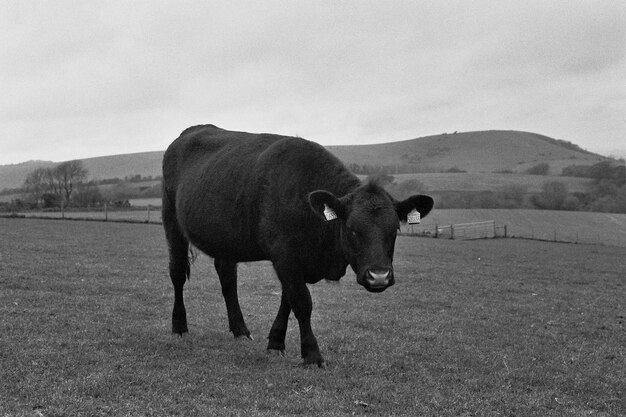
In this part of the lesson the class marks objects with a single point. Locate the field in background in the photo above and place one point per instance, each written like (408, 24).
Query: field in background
(469, 181)
(433, 182)
(560, 226)
(491, 327)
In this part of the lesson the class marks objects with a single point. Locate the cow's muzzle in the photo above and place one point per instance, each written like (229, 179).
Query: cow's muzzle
(377, 279)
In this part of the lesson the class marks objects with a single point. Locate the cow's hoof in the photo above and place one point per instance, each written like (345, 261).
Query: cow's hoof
(275, 352)
(312, 360)
(179, 327)
(180, 335)
(183, 339)
(308, 365)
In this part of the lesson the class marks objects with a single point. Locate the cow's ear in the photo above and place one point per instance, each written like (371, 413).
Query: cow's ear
(422, 203)
(326, 205)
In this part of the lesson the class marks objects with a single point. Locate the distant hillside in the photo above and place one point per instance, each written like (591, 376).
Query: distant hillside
(13, 176)
(125, 165)
(487, 151)
(474, 152)
(103, 167)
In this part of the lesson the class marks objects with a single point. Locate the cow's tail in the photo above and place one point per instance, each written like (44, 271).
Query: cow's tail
(193, 255)
(181, 252)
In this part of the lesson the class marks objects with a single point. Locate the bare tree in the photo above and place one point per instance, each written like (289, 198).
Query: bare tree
(67, 175)
(59, 181)
(52, 183)
(36, 182)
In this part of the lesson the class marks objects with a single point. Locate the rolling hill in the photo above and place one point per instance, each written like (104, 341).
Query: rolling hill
(475, 152)
(103, 167)
(485, 151)
(13, 176)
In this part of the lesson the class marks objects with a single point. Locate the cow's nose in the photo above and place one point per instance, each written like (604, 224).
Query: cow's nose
(378, 279)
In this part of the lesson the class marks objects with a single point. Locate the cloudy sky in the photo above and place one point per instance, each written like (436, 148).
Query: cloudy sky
(91, 78)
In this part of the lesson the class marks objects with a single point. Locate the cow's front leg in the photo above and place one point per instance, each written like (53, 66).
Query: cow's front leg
(299, 299)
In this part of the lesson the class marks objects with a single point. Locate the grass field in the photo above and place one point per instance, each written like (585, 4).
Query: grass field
(474, 181)
(492, 327)
(565, 226)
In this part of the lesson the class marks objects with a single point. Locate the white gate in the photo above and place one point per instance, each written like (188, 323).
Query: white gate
(478, 230)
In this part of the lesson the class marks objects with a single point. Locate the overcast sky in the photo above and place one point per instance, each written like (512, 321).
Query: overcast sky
(90, 78)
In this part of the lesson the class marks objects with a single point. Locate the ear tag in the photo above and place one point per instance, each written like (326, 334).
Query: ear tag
(329, 213)
(413, 217)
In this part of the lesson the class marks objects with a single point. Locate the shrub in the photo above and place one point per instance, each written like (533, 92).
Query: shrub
(610, 204)
(539, 169)
(88, 196)
(552, 196)
(575, 171)
(571, 203)
(50, 200)
(513, 196)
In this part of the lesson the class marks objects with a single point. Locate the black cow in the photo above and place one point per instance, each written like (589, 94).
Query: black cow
(241, 197)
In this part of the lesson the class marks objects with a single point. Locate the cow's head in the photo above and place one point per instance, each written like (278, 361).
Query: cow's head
(370, 219)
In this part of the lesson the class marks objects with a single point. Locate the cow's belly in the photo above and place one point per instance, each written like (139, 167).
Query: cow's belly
(212, 221)
(227, 249)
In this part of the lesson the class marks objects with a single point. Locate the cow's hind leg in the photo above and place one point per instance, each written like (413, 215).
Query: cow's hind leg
(179, 272)
(227, 271)
(276, 338)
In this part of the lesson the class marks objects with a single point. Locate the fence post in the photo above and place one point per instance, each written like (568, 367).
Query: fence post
(106, 211)
(495, 234)
(505, 230)
(62, 208)
(451, 231)
(436, 230)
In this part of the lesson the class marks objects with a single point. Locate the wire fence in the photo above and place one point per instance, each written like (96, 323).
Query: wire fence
(567, 231)
(492, 229)
(148, 214)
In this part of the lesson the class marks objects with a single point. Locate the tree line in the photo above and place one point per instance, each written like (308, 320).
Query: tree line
(65, 184)
(51, 186)
(607, 193)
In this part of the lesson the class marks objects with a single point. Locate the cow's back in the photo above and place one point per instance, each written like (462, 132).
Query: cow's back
(237, 194)
(206, 173)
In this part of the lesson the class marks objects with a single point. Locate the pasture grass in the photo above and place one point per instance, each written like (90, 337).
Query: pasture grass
(565, 226)
(492, 327)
